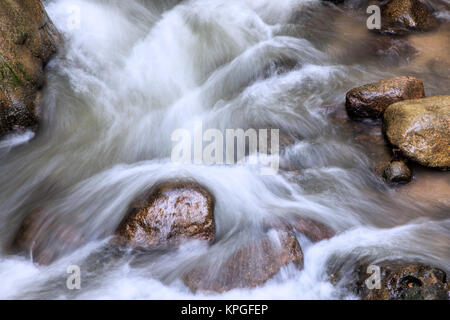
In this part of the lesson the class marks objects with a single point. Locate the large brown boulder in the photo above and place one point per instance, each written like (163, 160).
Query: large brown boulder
(250, 266)
(28, 39)
(430, 187)
(404, 282)
(400, 16)
(169, 214)
(370, 100)
(420, 128)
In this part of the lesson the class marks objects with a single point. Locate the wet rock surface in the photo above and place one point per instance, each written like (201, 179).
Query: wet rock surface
(169, 214)
(371, 100)
(397, 172)
(420, 129)
(250, 266)
(313, 230)
(28, 40)
(43, 241)
(405, 282)
(402, 16)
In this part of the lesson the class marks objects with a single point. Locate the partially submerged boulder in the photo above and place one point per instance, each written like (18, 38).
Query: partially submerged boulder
(430, 187)
(420, 128)
(250, 266)
(312, 229)
(397, 172)
(404, 282)
(401, 16)
(28, 39)
(371, 100)
(392, 51)
(169, 214)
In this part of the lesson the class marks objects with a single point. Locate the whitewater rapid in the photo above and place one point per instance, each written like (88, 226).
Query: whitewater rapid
(132, 72)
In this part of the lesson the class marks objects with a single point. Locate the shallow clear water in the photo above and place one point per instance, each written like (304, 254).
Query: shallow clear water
(133, 72)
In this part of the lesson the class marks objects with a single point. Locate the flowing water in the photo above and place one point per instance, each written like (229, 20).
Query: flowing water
(132, 72)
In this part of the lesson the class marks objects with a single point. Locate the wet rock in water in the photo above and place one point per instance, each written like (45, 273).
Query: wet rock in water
(405, 282)
(370, 100)
(393, 51)
(335, 1)
(401, 16)
(430, 187)
(43, 241)
(420, 128)
(250, 266)
(28, 39)
(313, 230)
(397, 172)
(169, 214)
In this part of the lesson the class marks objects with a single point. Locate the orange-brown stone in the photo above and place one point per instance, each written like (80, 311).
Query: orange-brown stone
(250, 266)
(168, 214)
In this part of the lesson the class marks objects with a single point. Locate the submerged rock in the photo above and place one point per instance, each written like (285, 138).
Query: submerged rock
(370, 100)
(250, 266)
(368, 135)
(400, 16)
(43, 240)
(28, 39)
(168, 214)
(420, 128)
(313, 230)
(397, 172)
(405, 282)
(392, 51)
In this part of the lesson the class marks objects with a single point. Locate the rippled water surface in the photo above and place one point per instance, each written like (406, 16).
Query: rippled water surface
(135, 71)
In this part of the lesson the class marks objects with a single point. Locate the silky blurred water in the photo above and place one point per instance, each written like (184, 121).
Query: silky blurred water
(132, 72)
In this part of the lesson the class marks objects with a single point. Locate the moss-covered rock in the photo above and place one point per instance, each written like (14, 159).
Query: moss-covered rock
(28, 39)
